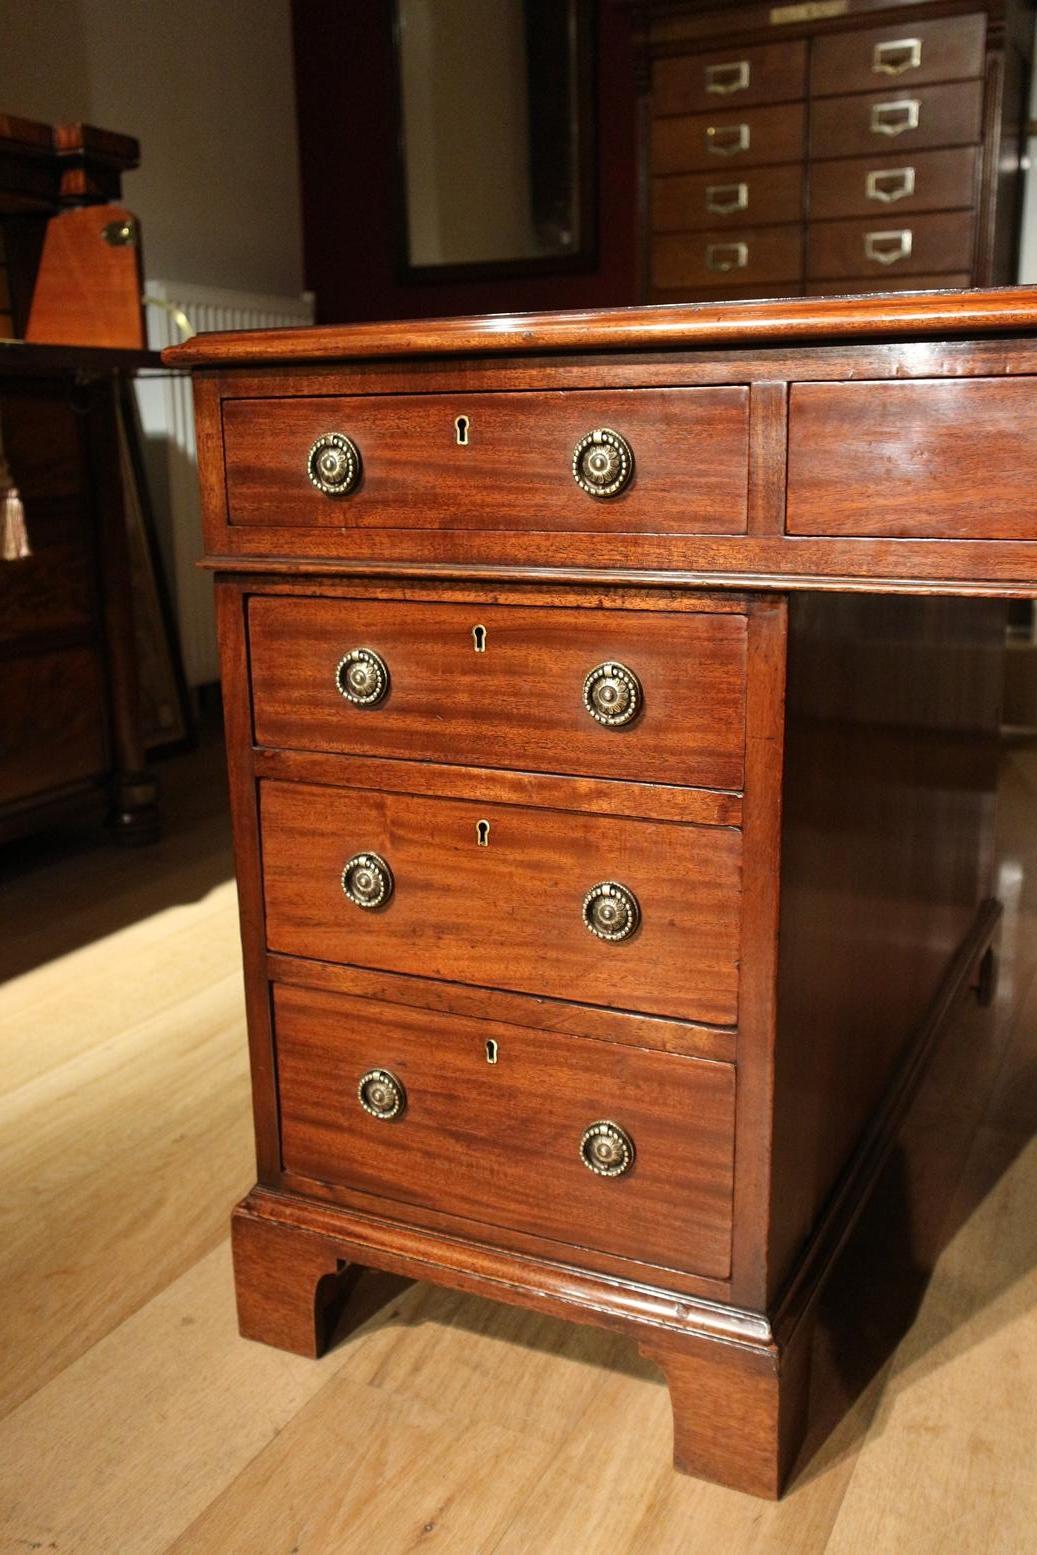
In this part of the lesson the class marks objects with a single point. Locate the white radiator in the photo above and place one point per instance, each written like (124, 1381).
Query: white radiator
(167, 418)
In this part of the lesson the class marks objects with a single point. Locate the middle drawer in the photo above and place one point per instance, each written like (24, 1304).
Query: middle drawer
(628, 914)
(506, 686)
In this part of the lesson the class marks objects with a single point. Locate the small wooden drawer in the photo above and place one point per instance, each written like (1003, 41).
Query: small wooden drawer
(698, 83)
(907, 52)
(897, 121)
(894, 186)
(504, 686)
(920, 245)
(499, 461)
(764, 254)
(914, 459)
(690, 202)
(728, 138)
(492, 1126)
(503, 903)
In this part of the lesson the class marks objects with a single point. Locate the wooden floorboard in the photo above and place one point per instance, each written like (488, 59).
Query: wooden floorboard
(134, 1421)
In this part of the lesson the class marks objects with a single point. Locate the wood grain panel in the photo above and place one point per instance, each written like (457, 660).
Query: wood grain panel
(953, 458)
(691, 83)
(753, 254)
(947, 116)
(942, 180)
(515, 473)
(948, 49)
(943, 241)
(756, 137)
(519, 702)
(507, 915)
(482, 1139)
(52, 725)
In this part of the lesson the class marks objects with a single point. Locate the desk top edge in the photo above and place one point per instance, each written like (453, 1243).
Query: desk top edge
(942, 314)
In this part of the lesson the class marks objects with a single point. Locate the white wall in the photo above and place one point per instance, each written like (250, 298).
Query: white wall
(206, 86)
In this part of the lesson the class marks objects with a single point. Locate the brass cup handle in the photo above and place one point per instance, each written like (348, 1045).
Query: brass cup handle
(333, 464)
(367, 880)
(727, 140)
(722, 257)
(725, 199)
(381, 1094)
(611, 911)
(888, 185)
(603, 463)
(895, 118)
(362, 676)
(606, 1149)
(896, 55)
(612, 694)
(887, 248)
(725, 79)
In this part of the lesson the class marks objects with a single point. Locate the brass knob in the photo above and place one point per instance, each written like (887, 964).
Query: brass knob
(612, 694)
(611, 911)
(367, 880)
(607, 1149)
(603, 463)
(381, 1094)
(362, 677)
(333, 464)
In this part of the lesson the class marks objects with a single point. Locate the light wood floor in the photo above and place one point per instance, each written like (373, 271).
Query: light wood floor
(134, 1420)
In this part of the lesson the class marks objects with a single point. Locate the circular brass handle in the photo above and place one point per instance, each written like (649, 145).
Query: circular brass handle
(603, 463)
(612, 694)
(607, 1149)
(362, 676)
(381, 1094)
(333, 464)
(611, 911)
(367, 880)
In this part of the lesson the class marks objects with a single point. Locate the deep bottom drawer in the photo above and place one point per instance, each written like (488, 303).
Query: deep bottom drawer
(500, 1142)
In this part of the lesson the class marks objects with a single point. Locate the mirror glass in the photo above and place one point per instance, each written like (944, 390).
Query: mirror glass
(495, 129)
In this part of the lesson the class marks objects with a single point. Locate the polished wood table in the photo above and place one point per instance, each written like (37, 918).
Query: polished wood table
(612, 704)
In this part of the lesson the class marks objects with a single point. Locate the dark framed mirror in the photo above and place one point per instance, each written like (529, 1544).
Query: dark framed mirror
(496, 138)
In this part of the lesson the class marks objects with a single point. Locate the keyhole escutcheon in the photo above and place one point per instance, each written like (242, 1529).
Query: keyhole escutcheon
(482, 833)
(491, 1051)
(461, 426)
(479, 638)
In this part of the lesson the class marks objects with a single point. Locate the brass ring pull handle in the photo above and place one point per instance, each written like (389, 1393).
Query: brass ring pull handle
(612, 694)
(381, 1094)
(603, 463)
(333, 464)
(362, 676)
(611, 911)
(367, 880)
(607, 1149)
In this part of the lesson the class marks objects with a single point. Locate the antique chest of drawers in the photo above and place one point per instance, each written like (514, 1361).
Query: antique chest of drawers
(612, 705)
(845, 145)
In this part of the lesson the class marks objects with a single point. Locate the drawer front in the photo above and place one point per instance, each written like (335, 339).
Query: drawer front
(897, 121)
(702, 83)
(915, 459)
(906, 53)
(862, 285)
(881, 187)
(519, 701)
(52, 723)
(500, 1143)
(727, 138)
(694, 201)
(764, 254)
(919, 246)
(510, 913)
(514, 471)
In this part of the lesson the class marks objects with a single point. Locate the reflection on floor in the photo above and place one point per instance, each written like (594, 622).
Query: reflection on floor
(134, 1420)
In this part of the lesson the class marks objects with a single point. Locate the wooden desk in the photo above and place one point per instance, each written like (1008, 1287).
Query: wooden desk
(609, 860)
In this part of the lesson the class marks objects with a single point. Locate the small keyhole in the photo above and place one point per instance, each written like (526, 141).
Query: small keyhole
(491, 1051)
(482, 833)
(461, 426)
(479, 637)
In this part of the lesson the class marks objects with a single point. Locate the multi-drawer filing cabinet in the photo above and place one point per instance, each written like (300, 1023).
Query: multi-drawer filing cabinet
(612, 705)
(841, 145)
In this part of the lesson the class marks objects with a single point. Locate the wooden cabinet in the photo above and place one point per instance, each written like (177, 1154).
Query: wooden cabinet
(812, 118)
(609, 864)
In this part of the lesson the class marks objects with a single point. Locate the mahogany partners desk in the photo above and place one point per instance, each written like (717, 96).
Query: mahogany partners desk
(612, 704)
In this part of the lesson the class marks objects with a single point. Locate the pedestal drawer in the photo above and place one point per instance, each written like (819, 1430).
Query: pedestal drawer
(505, 686)
(760, 197)
(491, 1122)
(905, 53)
(764, 254)
(500, 896)
(735, 77)
(888, 245)
(729, 137)
(887, 188)
(899, 119)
